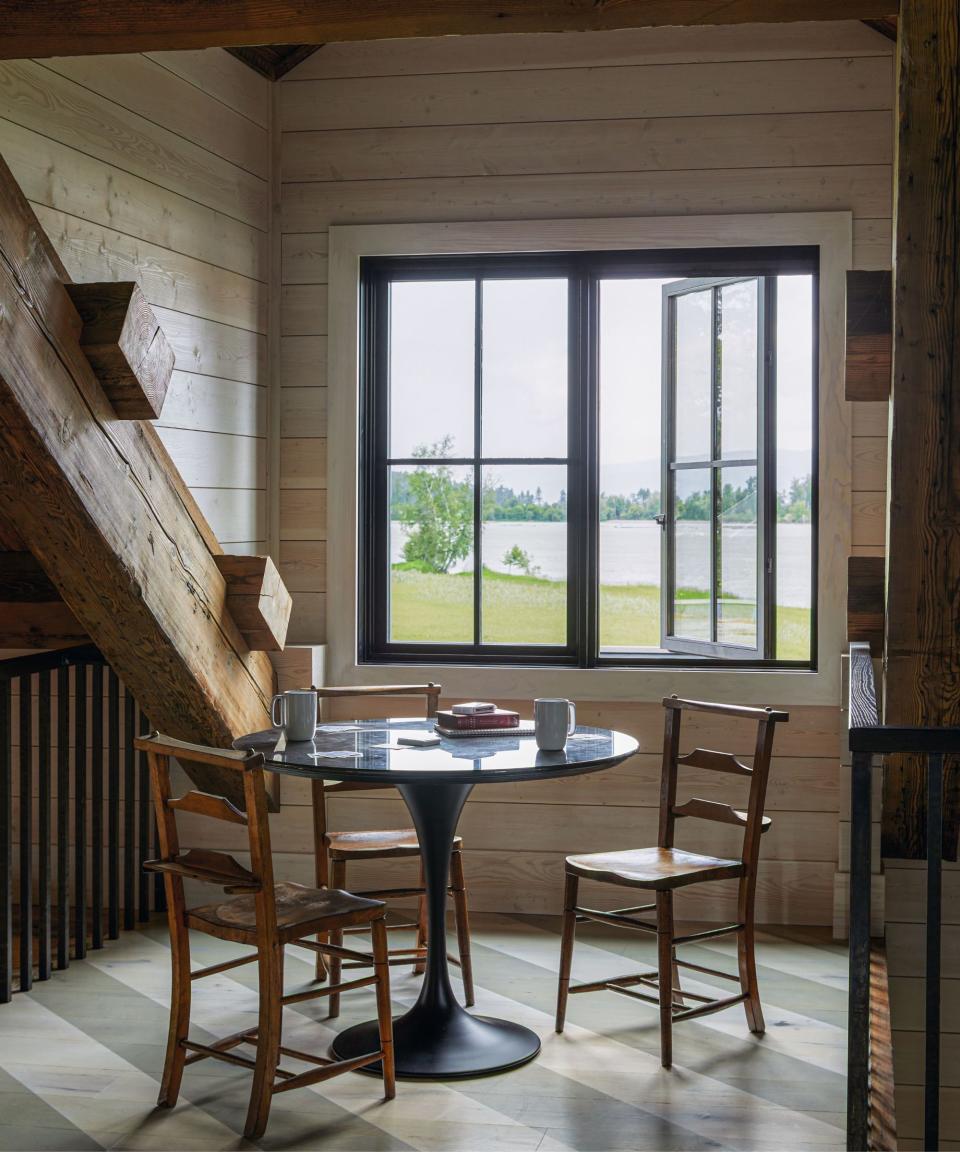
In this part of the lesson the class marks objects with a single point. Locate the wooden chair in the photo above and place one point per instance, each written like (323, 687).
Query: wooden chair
(334, 850)
(664, 868)
(265, 915)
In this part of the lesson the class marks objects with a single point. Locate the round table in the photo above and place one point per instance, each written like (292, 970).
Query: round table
(437, 1039)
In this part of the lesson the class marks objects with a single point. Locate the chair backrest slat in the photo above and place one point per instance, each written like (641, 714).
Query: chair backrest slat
(719, 813)
(205, 804)
(712, 761)
(752, 820)
(207, 865)
(211, 867)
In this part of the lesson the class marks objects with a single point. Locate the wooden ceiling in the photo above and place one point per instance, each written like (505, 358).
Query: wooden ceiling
(38, 28)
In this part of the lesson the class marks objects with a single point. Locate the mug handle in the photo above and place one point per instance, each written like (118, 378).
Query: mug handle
(572, 726)
(278, 699)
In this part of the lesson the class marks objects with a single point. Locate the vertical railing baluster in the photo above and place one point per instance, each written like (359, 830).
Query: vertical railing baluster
(931, 1078)
(129, 811)
(63, 817)
(80, 809)
(96, 806)
(143, 836)
(113, 805)
(6, 844)
(43, 826)
(858, 1020)
(26, 833)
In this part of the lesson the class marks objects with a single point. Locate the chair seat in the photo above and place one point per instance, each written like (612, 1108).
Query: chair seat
(658, 868)
(299, 909)
(380, 843)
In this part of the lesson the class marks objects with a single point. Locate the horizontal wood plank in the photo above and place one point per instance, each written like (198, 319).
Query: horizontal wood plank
(168, 279)
(644, 90)
(219, 75)
(208, 404)
(143, 86)
(628, 145)
(527, 52)
(865, 190)
(36, 98)
(303, 514)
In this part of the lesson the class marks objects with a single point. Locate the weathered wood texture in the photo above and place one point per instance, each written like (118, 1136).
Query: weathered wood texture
(641, 122)
(102, 508)
(32, 612)
(125, 346)
(865, 599)
(154, 170)
(257, 600)
(869, 335)
(923, 582)
(48, 28)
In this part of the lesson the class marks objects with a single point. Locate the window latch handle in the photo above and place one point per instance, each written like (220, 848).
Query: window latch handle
(661, 519)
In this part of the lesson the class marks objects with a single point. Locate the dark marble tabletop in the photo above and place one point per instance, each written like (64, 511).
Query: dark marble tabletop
(367, 750)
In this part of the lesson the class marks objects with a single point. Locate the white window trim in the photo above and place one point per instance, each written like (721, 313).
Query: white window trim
(832, 232)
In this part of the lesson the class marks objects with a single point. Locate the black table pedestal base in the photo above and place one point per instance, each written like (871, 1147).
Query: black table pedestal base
(456, 1047)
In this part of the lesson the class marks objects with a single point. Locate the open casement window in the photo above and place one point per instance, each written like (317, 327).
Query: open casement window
(718, 487)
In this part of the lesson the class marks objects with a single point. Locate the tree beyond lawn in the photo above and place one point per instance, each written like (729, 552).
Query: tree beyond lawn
(438, 607)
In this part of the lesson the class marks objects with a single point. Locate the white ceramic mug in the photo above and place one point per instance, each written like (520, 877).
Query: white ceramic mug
(297, 713)
(554, 721)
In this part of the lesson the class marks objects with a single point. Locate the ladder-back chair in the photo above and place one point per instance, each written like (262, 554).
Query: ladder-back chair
(262, 914)
(335, 850)
(664, 868)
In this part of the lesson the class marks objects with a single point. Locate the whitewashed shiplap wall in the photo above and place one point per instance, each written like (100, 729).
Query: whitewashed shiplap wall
(156, 168)
(648, 122)
(637, 123)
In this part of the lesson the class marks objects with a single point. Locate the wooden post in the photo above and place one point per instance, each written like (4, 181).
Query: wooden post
(923, 581)
(126, 347)
(101, 506)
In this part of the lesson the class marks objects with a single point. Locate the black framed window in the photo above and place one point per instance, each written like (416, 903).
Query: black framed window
(589, 458)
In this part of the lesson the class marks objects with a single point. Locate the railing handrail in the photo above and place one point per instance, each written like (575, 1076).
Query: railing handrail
(867, 734)
(868, 737)
(48, 661)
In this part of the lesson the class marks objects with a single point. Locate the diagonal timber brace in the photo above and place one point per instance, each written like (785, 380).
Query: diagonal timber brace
(101, 506)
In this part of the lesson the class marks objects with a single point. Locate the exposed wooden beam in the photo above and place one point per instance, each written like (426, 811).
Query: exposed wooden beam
(32, 612)
(922, 667)
(125, 345)
(258, 600)
(869, 335)
(865, 592)
(82, 27)
(101, 506)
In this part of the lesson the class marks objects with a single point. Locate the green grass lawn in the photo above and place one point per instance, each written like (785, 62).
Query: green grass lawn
(528, 610)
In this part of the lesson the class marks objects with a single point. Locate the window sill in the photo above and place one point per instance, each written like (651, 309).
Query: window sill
(755, 686)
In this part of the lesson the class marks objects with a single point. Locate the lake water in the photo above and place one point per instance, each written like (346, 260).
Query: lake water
(630, 553)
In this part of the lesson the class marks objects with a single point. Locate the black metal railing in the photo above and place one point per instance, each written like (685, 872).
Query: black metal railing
(869, 738)
(53, 904)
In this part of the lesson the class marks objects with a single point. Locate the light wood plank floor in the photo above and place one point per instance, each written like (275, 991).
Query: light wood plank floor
(81, 1056)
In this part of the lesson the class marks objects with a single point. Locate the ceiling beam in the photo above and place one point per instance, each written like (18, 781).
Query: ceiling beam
(83, 27)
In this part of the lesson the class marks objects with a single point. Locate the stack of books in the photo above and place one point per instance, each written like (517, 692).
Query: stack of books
(478, 718)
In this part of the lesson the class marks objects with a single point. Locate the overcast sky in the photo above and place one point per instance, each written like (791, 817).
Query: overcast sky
(525, 367)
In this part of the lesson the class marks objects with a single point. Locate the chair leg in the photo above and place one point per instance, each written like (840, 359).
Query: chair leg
(748, 978)
(459, 890)
(420, 965)
(381, 967)
(665, 974)
(179, 1015)
(338, 879)
(571, 887)
(268, 1039)
(321, 862)
(675, 976)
